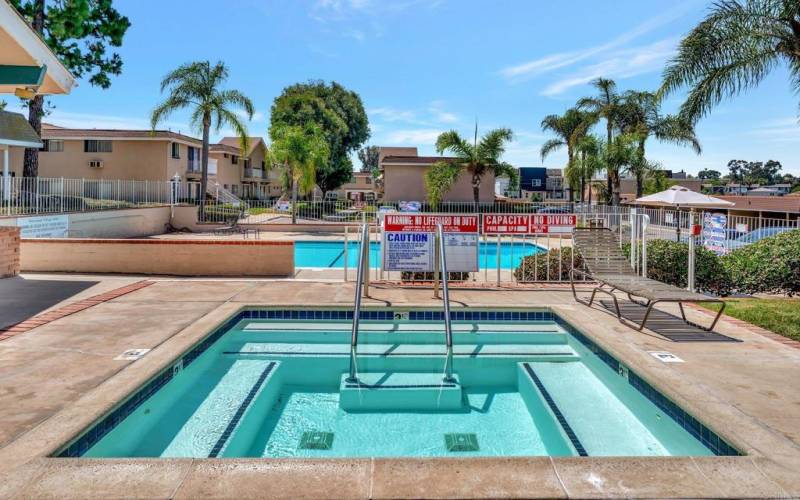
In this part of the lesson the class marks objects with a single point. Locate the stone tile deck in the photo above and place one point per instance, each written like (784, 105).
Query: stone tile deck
(55, 379)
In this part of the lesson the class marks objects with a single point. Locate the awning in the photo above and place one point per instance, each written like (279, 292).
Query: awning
(26, 62)
(16, 131)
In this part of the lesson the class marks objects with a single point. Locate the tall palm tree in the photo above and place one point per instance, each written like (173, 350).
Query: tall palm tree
(640, 115)
(300, 151)
(477, 158)
(606, 105)
(732, 50)
(197, 85)
(568, 128)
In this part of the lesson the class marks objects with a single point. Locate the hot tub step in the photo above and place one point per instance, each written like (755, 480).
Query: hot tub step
(399, 391)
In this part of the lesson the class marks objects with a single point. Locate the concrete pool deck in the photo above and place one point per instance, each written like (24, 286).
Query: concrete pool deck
(56, 379)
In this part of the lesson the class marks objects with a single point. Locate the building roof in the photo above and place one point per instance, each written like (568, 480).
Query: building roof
(16, 131)
(224, 148)
(416, 160)
(790, 204)
(24, 53)
(235, 142)
(54, 132)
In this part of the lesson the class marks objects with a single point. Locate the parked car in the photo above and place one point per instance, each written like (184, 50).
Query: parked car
(757, 235)
(555, 210)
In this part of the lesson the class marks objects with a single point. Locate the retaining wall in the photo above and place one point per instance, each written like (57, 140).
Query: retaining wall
(160, 257)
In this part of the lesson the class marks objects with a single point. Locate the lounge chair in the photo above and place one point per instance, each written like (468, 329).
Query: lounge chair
(606, 264)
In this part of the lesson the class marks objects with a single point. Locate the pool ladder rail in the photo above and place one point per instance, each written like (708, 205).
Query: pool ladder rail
(363, 257)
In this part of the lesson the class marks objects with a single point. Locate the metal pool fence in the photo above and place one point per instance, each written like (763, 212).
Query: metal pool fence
(43, 195)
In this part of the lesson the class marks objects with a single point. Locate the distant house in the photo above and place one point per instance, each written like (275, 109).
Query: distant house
(403, 178)
(361, 187)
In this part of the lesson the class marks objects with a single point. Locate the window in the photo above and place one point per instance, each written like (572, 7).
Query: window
(247, 163)
(234, 160)
(95, 146)
(52, 145)
(263, 165)
(536, 183)
(176, 150)
(368, 180)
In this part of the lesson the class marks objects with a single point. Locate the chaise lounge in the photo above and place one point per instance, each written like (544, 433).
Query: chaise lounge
(606, 264)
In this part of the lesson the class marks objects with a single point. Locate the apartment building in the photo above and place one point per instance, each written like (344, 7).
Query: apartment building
(361, 187)
(150, 155)
(403, 178)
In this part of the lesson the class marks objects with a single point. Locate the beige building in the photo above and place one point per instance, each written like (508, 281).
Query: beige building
(153, 156)
(360, 188)
(403, 178)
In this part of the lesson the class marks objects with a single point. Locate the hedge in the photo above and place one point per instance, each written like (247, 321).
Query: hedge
(771, 265)
(668, 262)
(559, 262)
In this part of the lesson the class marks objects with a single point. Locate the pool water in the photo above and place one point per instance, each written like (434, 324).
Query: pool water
(277, 388)
(331, 254)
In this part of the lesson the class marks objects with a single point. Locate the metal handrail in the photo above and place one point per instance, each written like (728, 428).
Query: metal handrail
(448, 332)
(357, 303)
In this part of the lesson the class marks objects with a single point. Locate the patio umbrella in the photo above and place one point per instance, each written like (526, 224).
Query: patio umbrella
(681, 197)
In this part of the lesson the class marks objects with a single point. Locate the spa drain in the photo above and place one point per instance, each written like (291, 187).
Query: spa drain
(316, 440)
(461, 442)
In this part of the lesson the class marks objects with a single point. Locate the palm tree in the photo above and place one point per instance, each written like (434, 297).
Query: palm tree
(300, 151)
(732, 50)
(477, 158)
(606, 105)
(588, 162)
(197, 85)
(568, 128)
(640, 115)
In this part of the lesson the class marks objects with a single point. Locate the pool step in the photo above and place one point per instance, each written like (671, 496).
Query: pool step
(543, 352)
(399, 391)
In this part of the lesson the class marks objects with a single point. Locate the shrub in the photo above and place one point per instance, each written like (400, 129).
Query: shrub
(668, 262)
(559, 262)
(771, 265)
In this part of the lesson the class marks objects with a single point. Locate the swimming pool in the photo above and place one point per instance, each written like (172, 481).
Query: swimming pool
(272, 383)
(331, 254)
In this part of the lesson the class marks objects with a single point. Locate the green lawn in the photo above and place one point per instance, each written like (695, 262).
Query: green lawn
(781, 316)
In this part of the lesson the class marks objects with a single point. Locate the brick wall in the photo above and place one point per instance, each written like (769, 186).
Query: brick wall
(9, 251)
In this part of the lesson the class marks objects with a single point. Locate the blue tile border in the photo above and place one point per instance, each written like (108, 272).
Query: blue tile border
(562, 420)
(97, 431)
(226, 434)
(706, 436)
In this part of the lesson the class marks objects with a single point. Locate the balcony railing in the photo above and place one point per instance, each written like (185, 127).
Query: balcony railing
(254, 173)
(193, 166)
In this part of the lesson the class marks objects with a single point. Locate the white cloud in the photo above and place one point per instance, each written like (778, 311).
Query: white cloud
(389, 114)
(618, 64)
(552, 62)
(438, 113)
(258, 116)
(778, 130)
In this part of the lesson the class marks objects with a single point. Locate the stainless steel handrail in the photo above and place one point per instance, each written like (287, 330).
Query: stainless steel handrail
(357, 303)
(448, 332)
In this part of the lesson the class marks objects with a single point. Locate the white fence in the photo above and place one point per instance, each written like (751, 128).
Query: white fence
(42, 195)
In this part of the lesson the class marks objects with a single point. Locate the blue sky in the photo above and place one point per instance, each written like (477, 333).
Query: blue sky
(425, 66)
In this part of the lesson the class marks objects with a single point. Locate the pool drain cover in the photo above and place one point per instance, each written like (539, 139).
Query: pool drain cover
(316, 440)
(461, 442)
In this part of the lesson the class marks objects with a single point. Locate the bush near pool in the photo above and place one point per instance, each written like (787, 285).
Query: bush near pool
(553, 266)
(771, 265)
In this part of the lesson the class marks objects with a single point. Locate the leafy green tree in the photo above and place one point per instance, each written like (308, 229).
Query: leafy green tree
(340, 115)
(80, 33)
(477, 159)
(606, 105)
(657, 182)
(299, 151)
(568, 128)
(640, 115)
(732, 50)
(369, 157)
(196, 86)
(709, 175)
